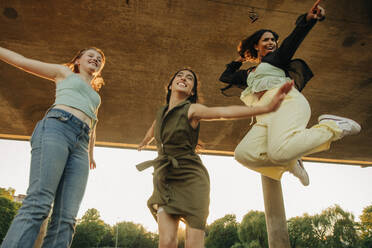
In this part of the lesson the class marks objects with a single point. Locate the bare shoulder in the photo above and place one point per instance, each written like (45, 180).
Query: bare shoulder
(194, 109)
(63, 73)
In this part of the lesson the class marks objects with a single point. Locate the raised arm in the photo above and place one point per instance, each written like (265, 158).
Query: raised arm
(148, 137)
(282, 56)
(199, 112)
(38, 68)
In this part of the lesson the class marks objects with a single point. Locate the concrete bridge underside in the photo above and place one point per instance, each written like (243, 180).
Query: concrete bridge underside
(145, 41)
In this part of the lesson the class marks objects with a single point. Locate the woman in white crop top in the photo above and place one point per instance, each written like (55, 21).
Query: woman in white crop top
(278, 140)
(62, 148)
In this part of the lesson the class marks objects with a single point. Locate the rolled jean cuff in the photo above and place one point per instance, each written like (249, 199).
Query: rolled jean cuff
(331, 126)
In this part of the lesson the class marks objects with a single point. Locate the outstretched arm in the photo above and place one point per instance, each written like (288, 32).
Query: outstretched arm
(282, 56)
(148, 137)
(199, 112)
(36, 67)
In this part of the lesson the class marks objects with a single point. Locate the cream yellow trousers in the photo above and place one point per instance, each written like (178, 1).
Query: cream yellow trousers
(279, 139)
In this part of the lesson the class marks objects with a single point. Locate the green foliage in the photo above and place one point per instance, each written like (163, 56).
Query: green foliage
(88, 234)
(366, 227)
(301, 232)
(237, 245)
(91, 230)
(340, 231)
(91, 215)
(222, 233)
(252, 231)
(108, 237)
(132, 235)
(366, 221)
(366, 242)
(8, 210)
(253, 244)
(333, 228)
(7, 193)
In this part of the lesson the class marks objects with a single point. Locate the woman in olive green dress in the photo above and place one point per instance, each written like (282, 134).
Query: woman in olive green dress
(181, 182)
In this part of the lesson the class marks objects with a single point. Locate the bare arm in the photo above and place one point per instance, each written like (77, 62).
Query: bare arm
(148, 137)
(92, 141)
(35, 67)
(199, 112)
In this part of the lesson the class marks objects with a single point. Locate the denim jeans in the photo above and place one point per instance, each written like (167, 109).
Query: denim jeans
(58, 176)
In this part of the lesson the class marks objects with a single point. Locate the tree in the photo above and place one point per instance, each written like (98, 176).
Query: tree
(301, 232)
(8, 210)
(252, 231)
(238, 245)
(135, 235)
(333, 228)
(90, 231)
(366, 227)
(366, 221)
(108, 237)
(91, 215)
(7, 193)
(339, 229)
(222, 233)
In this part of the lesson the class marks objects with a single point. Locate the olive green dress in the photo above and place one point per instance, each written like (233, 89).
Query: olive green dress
(181, 182)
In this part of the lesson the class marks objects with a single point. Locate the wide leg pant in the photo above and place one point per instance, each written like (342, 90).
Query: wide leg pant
(279, 139)
(58, 175)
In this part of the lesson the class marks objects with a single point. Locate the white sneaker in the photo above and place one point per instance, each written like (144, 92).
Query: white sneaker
(299, 171)
(348, 126)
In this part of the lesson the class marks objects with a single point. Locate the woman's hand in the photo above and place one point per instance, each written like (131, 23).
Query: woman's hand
(148, 137)
(92, 164)
(141, 146)
(316, 12)
(279, 96)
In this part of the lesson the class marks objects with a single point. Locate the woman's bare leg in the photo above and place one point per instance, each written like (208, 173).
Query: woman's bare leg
(168, 227)
(194, 238)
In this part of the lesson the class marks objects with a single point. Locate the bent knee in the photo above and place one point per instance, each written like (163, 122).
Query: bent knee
(241, 155)
(246, 156)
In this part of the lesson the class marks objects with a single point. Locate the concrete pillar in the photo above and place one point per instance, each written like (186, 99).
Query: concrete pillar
(276, 223)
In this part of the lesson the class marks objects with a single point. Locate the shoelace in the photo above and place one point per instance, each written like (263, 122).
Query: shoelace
(341, 123)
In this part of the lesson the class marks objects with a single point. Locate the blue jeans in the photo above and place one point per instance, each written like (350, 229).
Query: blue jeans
(58, 176)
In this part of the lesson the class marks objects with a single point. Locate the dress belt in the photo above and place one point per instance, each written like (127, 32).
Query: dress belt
(162, 161)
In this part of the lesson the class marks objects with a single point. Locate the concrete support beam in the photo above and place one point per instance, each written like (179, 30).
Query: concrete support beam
(276, 223)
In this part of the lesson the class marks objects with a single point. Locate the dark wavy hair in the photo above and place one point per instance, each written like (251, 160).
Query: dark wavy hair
(246, 47)
(194, 97)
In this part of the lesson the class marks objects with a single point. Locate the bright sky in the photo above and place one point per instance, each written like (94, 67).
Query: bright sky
(120, 192)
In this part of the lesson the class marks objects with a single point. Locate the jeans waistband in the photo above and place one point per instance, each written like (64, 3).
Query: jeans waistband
(64, 116)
